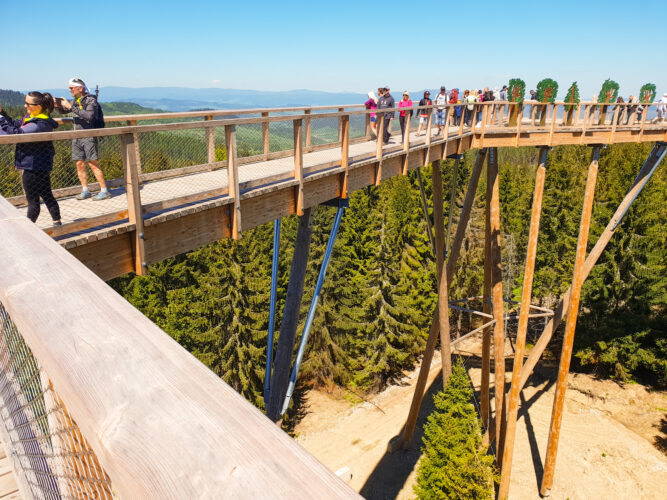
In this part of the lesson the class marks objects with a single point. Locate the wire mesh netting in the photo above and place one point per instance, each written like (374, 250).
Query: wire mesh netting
(48, 182)
(46, 446)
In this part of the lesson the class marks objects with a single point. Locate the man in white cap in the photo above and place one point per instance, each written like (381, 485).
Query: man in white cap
(86, 114)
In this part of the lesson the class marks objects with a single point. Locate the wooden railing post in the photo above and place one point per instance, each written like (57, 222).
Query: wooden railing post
(135, 216)
(210, 141)
(298, 163)
(378, 148)
(340, 125)
(570, 326)
(133, 123)
(367, 126)
(307, 125)
(406, 143)
(526, 294)
(345, 154)
(553, 124)
(429, 126)
(233, 179)
(265, 136)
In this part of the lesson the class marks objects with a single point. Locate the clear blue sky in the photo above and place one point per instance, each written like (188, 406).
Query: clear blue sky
(333, 46)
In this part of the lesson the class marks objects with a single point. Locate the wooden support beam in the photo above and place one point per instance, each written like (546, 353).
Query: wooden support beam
(441, 273)
(210, 141)
(233, 180)
(418, 396)
(493, 183)
(524, 311)
(134, 202)
(568, 339)
(283, 359)
(298, 164)
(265, 136)
(655, 158)
(485, 406)
(345, 154)
(438, 220)
(452, 202)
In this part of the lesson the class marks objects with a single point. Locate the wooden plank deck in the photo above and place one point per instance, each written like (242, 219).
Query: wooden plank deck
(186, 185)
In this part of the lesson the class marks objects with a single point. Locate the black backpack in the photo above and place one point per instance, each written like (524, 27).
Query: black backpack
(99, 117)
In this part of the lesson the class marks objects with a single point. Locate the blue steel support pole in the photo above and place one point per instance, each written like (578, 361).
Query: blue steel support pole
(272, 310)
(313, 307)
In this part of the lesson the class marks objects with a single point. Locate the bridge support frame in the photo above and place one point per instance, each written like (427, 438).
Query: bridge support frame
(568, 340)
(411, 421)
(281, 372)
(526, 295)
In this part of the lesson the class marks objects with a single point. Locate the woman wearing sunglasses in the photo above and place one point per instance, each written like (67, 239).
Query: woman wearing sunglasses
(34, 159)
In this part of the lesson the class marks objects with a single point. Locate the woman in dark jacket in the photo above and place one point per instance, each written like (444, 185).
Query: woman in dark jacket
(35, 159)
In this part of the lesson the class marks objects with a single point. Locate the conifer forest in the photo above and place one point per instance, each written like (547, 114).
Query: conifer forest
(380, 289)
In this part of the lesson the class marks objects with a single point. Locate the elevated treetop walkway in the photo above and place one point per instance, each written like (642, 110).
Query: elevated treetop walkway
(97, 402)
(179, 186)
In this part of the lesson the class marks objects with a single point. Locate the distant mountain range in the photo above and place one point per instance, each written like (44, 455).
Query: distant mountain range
(184, 99)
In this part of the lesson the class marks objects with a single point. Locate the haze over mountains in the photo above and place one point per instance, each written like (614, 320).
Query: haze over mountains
(184, 99)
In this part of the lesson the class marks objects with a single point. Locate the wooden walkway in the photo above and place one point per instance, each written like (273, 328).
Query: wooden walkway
(158, 215)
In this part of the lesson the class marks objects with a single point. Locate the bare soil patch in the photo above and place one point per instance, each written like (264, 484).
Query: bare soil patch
(610, 444)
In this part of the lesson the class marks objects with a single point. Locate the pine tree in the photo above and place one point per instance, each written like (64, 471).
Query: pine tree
(454, 464)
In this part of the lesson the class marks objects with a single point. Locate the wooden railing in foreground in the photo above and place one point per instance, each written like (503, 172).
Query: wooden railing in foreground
(145, 419)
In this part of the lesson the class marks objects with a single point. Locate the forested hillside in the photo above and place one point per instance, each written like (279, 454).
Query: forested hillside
(379, 294)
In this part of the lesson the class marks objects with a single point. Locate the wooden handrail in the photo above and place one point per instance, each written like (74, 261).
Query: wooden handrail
(138, 129)
(161, 423)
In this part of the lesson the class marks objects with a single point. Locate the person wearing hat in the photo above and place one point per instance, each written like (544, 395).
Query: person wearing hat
(84, 108)
(386, 102)
(440, 108)
(424, 113)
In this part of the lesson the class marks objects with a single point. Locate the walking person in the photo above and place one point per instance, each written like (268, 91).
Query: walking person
(440, 110)
(405, 102)
(424, 113)
(456, 115)
(621, 110)
(386, 102)
(372, 103)
(503, 97)
(35, 159)
(470, 99)
(662, 109)
(86, 113)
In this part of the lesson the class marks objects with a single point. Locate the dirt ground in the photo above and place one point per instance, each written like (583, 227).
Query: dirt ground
(610, 444)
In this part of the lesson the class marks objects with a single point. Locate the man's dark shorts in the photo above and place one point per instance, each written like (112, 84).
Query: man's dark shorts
(84, 149)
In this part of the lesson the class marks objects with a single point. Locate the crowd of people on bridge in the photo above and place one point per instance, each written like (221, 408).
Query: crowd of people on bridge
(34, 161)
(465, 111)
